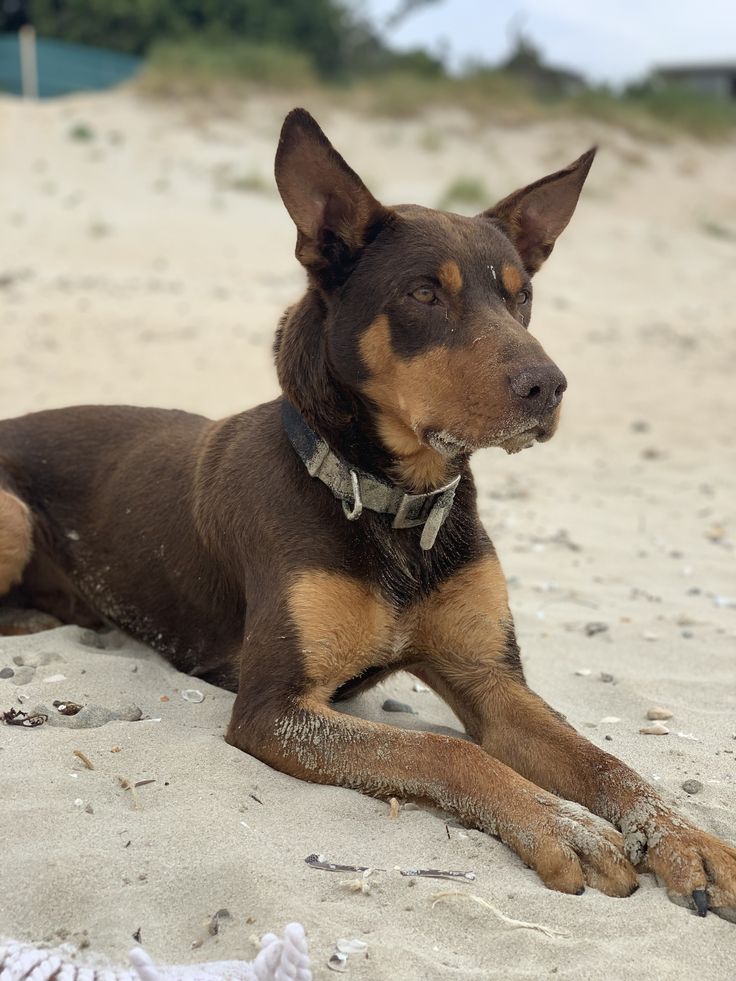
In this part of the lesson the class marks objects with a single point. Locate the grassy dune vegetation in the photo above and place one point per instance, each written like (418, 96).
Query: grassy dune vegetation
(332, 48)
(194, 67)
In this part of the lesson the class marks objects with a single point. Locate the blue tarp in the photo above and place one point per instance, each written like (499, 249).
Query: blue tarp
(65, 67)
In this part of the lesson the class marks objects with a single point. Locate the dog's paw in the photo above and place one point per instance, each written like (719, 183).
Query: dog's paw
(697, 870)
(570, 848)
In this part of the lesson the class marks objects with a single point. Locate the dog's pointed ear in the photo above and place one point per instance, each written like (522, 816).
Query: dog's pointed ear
(334, 212)
(534, 216)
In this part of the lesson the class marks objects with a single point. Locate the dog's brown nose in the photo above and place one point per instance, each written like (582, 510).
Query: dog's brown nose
(541, 386)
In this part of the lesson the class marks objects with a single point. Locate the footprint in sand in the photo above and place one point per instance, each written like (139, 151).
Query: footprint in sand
(23, 669)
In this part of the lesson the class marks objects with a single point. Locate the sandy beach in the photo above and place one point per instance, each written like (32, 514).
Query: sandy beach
(145, 258)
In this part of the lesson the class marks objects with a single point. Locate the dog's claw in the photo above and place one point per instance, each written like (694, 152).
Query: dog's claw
(700, 898)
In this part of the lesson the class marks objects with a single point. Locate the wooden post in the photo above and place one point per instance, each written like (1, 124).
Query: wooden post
(28, 61)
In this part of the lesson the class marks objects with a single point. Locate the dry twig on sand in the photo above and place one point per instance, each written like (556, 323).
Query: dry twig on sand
(84, 758)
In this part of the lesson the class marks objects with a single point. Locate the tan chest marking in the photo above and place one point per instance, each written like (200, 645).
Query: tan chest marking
(463, 627)
(16, 538)
(343, 627)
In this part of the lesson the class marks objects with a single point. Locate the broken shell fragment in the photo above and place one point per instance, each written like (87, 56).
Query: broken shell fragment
(192, 695)
(338, 962)
(353, 946)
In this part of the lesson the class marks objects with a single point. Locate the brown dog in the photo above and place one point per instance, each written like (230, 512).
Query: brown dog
(305, 549)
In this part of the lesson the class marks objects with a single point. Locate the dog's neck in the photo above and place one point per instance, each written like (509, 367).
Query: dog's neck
(341, 417)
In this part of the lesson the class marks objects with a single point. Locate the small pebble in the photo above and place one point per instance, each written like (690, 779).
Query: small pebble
(656, 729)
(192, 695)
(595, 627)
(583, 672)
(90, 638)
(657, 712)
(610, 720)
(89, 809)
(692, 786)
(651, 453)
(606, 677)
(7, 673)
(418, 686)
(391, 705)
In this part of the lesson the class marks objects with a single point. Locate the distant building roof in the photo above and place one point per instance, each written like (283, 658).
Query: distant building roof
(707, 68)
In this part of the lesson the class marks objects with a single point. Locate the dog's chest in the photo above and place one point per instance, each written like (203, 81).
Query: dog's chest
(344, 627)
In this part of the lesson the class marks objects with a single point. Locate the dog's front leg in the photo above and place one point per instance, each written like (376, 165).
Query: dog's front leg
(565, 846)
(469, 656)
(329, 628)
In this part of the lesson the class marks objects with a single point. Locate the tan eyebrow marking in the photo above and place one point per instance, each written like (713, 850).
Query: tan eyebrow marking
(450, 276)
(511, 278)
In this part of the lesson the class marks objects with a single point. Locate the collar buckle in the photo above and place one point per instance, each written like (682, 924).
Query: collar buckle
(429, 510)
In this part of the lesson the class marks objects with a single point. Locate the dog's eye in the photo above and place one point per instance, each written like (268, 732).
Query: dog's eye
(424, 295)
(523, 297)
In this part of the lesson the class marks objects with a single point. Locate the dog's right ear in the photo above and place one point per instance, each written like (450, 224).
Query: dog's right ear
(334, 212)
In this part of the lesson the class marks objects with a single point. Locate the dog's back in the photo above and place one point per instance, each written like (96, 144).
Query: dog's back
(108, 488)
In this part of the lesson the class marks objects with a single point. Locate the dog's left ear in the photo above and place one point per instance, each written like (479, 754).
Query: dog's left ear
(534, 216)
(334, 212)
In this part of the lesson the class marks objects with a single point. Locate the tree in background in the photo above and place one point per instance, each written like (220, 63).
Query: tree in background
(320, 28)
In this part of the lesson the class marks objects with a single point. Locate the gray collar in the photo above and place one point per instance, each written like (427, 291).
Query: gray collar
(357, 489)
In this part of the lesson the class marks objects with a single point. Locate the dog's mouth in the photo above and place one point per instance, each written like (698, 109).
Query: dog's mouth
(450, 445)
(446, 443)
(523, 439)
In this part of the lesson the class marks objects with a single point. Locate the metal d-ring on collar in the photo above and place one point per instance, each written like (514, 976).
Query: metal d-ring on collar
(356, 489)
(353, 512)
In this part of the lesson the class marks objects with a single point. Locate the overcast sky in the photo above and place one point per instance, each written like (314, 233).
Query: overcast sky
(613, 41)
